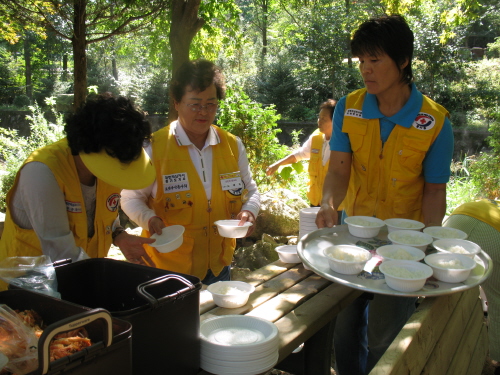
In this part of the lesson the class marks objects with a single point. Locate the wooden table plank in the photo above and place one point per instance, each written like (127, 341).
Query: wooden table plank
(263, 292)
(300, 324)
(480, 352)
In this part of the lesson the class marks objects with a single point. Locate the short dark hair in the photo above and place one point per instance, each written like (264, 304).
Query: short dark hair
(328, 105)
(199, 74)
(386, 34)
(108, 123)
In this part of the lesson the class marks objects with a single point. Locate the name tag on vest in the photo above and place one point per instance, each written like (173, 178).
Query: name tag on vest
(175, 182)
(314, 151)
(231, 181)
(75, 207)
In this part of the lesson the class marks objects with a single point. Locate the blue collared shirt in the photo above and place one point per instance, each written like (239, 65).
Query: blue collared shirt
(436, 165)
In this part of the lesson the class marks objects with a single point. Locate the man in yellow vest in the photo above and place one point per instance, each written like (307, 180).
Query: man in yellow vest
(317, 149)
(391, 151)
(64, 202)
(202, 175)
(481, 221)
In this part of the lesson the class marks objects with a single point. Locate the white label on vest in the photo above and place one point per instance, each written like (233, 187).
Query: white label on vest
(173, 183)
(231, 181)
(75, 207)
(354, 113)
(314, 151)
(424, 121)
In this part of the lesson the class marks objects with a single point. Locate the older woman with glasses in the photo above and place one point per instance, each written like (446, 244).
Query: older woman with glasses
(202, 175)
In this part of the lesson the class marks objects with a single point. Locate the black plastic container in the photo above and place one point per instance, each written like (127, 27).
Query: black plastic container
(162, 306)
(110, 353)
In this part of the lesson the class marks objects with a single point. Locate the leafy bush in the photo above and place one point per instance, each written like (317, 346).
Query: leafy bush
(21, 101)
(15, 149)
(257, 128)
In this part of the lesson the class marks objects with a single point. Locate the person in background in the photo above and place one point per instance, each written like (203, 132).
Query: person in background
(391, 151)
(216, 182)
(316, 149)
(481, 221)
(64, 201)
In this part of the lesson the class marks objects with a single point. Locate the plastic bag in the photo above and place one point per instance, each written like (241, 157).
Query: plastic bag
(18, 342)
(33, 273)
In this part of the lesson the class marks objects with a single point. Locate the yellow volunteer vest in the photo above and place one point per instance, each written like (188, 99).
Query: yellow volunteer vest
(16, 241)
(317, 171)
(387, 182)
(187, 205)
(486, 210)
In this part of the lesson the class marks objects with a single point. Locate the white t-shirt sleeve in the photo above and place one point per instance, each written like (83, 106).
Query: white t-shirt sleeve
(304, 152)
(39, 204)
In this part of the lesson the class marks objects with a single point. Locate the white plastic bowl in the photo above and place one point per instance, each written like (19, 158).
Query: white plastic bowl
(288, 254)
(410, 238)
(450, 275)
(347, 267)
(230, 294)
(405, 284)
(361, 230)
(440, 233)
(470, 249)
(230, 228)
(403, 224)
(169, 240)
(398, 252)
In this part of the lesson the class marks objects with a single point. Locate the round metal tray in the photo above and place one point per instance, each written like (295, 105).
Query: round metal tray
(310, 250)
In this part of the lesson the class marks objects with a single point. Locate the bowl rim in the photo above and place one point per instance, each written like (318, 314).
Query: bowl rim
(411, 263)
(413, 248)
(176, 228)
(446, 255)
(411, 233)
(281, 249)
(477, 248)
(371, 218)
(238, 282)
(222, 224)
(370, 255)
(431, 228)
(387, 222)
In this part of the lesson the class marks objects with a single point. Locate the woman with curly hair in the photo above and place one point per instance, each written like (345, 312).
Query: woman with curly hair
(64, 201)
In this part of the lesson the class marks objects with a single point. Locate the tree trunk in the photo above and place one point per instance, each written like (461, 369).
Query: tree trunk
(114, 67)
(185, 24)
(79, 43)
(264, 30)
(65, 68)
(27, 64)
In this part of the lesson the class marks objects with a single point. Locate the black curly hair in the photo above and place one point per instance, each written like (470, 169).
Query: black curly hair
(386, 34)
(108, 123)
(199, 74)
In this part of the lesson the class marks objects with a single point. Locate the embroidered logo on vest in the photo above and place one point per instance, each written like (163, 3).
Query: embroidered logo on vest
(74, 207)
(112, 202)
(424, 121)
(354, 113)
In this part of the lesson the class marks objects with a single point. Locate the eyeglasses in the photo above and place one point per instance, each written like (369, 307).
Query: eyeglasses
(197, 107)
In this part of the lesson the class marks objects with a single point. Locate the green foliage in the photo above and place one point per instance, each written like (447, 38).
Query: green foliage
(21, 101)
(15, 149)
(485, 175)
(9, 86)
(256, 126)
(156, 95)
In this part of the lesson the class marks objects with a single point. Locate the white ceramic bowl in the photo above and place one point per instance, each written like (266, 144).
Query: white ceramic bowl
(230, 228)
(288, 254)
(450, 275)
(403, 224)
(169, 240)
(440, 233)
(394, 271)
(400, 252)
(410, 238)
(358, 226)
(230, 294)
(347, 259)
(450, 245)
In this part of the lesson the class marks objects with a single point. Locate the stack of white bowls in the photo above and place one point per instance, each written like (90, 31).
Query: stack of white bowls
(238, 345)
(307, 220)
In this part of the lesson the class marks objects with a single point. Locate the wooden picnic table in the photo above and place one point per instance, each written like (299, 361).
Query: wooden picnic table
(301, 304)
